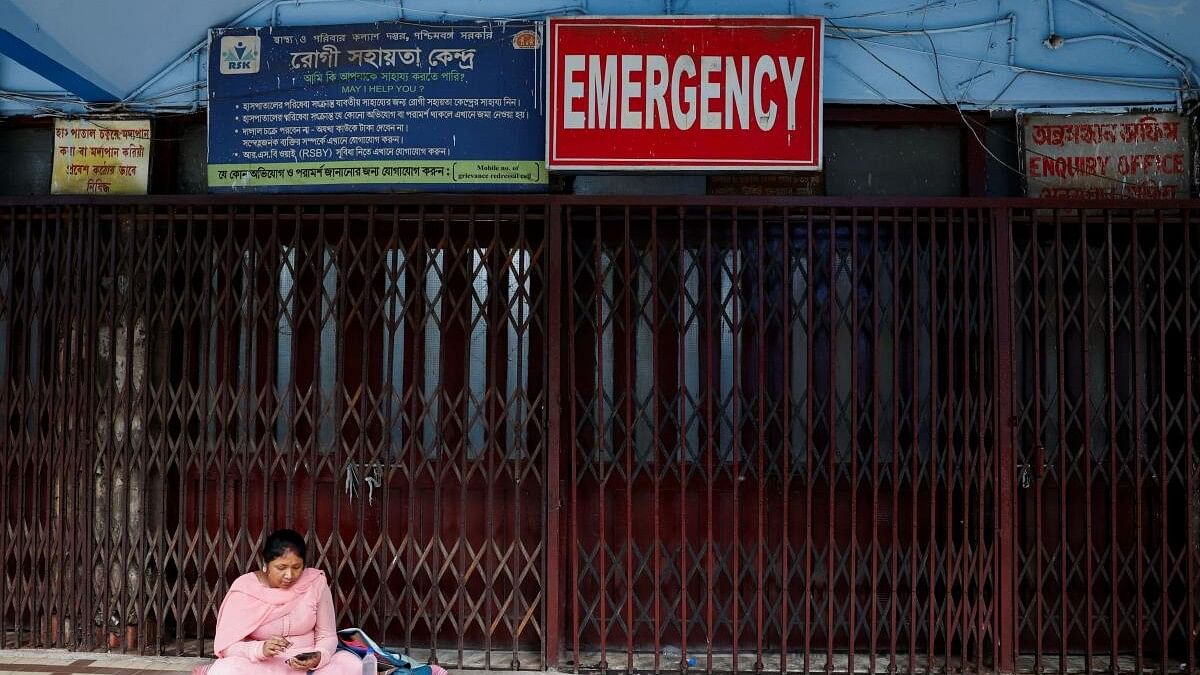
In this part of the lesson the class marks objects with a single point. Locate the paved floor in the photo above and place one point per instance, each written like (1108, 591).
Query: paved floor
(61, 662)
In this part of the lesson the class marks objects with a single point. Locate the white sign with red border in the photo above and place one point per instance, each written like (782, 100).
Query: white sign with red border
(672, 93)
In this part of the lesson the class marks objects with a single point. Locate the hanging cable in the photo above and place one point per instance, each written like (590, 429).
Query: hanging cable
(1144, 41)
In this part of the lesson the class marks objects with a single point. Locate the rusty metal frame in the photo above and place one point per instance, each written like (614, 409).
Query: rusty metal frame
(1104, 438)
(628, 263)
(1004, 424)
(155, 485)
(77, 417)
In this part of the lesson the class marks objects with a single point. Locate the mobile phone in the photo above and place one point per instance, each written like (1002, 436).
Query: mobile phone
(305, 656)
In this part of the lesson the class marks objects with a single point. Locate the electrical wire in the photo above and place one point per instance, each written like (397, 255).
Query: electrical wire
(872, 54)
(150, 103)
(154, 104)
(1183, 67)
(1138, 82)
(967, 123)
(898, 12)
(979, 65)
(582, 7)
(860, 42)
(1144, 39)
(834, 60)
(579, 7)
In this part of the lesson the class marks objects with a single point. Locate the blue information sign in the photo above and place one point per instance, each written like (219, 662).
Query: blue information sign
(384, 106)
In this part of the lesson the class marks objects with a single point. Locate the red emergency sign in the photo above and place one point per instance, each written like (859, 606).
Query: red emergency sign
(684, 93)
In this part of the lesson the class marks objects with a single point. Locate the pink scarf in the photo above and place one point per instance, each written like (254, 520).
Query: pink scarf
(249, 605)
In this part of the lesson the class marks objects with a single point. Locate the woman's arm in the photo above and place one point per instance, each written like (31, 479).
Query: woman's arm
(325, 631)
(247, 649)
(230, 631)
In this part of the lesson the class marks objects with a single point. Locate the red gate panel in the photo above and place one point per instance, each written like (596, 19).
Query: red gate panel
(45, 444)
(371, 375)
(780, 428)
(782, 438)
(1105, 336)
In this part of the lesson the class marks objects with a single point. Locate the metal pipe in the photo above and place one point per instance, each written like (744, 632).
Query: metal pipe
(810, 449)
(1034, 461)
(1110, 315)
(657, 328)
(788, 445)
(195, 49)
(1120, 80)
(1166, 517)
(572, 446)
(1148, 42)
(1061, 482)
(686, 453)
(625, 298)
(1086, 458)
(553, 506)
(1191, 493)
(603, 451)
(1008, 18)
(897, 320)
(1012, 39)
(1122, 23)
(274, 21)
(1138, 448)
(1056, 41)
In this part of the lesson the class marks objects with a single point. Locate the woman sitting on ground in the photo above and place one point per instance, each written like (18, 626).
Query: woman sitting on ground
(280, 619)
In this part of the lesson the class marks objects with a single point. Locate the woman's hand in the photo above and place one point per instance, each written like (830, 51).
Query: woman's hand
(304, 663)
(275, 646)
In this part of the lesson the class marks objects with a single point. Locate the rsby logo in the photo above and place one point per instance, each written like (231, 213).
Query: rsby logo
(240, 54)
(526, 39)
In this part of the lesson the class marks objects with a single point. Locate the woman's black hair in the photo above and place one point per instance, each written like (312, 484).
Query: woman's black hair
(283, 541)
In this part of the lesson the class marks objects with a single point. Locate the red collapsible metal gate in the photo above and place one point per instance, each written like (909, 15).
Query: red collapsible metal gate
(708, 434)
(1106, 410)
(783, 440)
(181, 379)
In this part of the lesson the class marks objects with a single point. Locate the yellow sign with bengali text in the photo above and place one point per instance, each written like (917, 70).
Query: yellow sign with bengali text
(101, 157)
